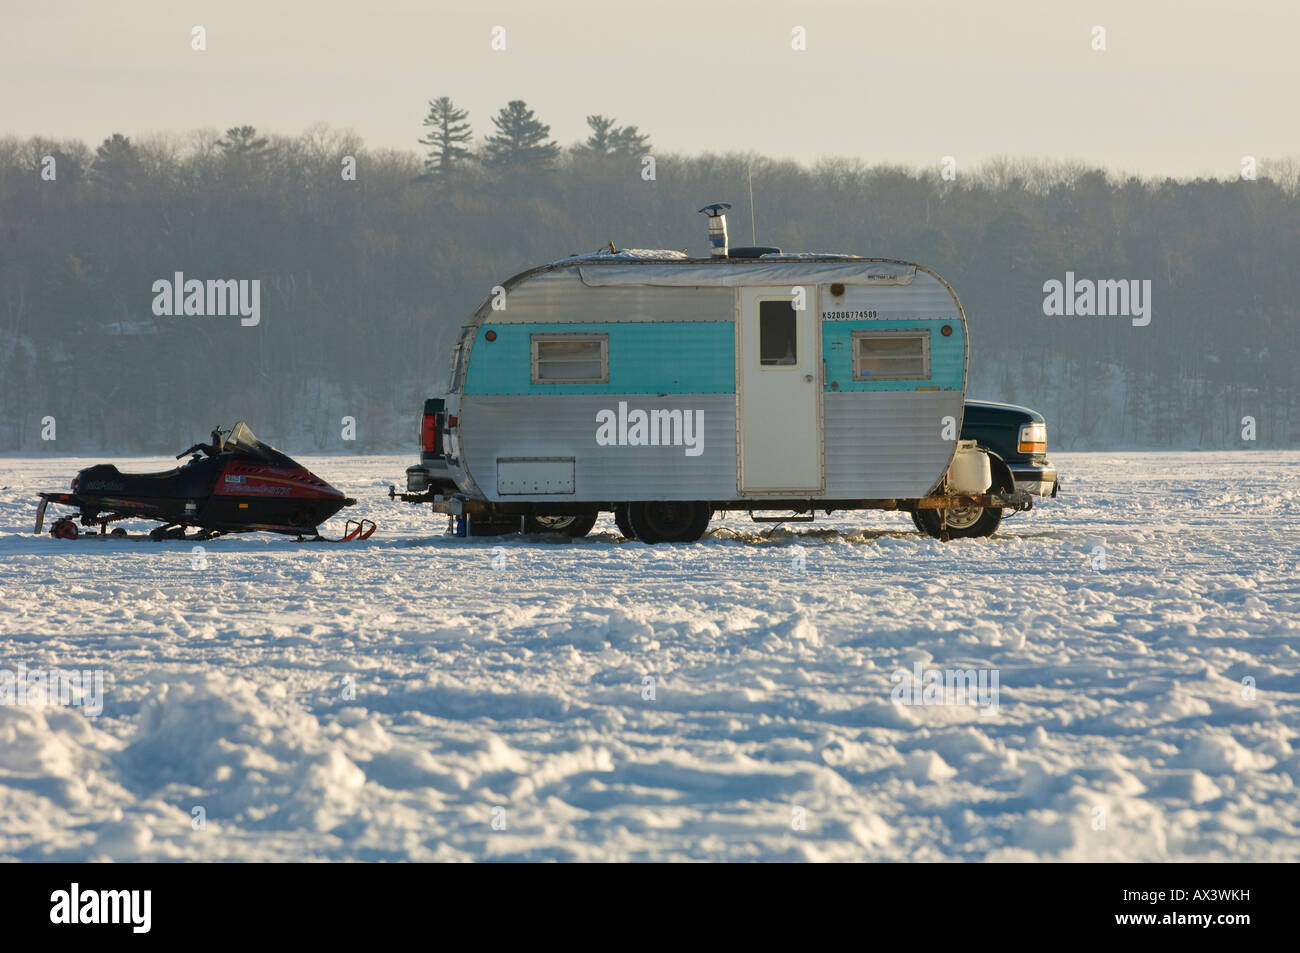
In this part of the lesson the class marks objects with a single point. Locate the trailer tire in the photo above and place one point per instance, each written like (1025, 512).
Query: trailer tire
(669, 521)
(620, 520)
(573, 525)
(962, 524)
(972, 523)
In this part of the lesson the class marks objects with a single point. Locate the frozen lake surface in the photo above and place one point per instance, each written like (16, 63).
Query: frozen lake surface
(392, 699)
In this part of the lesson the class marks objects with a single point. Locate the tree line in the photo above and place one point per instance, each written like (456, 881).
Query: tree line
(519, 141)
(369, 260)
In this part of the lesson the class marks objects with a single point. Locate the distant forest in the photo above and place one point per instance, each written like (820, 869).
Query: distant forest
(370, 260)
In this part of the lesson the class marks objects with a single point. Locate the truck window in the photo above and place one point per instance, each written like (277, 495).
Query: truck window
(777, 336)
(891, 355)
(570, 358)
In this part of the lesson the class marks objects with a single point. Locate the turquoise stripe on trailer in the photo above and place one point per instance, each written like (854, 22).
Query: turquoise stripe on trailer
(947, 355)
(688, 357)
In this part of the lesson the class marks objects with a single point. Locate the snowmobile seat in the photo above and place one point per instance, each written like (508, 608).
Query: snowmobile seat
(106, 479)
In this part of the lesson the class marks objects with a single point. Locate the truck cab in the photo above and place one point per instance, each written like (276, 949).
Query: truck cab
(1019, 436)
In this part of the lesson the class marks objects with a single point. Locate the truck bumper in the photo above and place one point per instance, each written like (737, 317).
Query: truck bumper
(1037, 479)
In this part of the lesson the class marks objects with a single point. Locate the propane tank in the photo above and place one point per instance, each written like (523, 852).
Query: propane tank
(969, 471)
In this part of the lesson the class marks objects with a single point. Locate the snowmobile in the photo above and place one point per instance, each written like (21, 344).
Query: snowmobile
(235, 484)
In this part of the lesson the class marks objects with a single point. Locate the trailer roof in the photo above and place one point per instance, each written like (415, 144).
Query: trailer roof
(667, 268)
(736, 272)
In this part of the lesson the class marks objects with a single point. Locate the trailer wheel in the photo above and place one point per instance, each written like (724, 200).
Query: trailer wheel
(669, 521)
(620, 519)
(575, 525)
(969, 522)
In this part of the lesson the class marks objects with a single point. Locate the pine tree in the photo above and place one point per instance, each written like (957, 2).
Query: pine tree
(521, 139)
(450, 131)
(117, 164)
(242, 141)
(598, 141)
(626, 140)
(607, 139)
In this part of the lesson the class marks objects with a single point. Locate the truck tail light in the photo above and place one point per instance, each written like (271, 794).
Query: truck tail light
(1033, 438)
(431, 433)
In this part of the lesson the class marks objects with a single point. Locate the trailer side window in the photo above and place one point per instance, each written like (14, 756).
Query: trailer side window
(453, 375)
(778, 340)
(570, 358)
(891, 355)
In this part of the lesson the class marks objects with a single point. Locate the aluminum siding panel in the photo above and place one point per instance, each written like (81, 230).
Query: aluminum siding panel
(564, 425)
(887, 444)
(561, 296)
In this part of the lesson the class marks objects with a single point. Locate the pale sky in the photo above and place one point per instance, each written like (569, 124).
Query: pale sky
(1184, 87)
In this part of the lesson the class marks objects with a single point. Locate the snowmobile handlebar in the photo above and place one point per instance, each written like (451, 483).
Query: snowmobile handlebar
(211, 449)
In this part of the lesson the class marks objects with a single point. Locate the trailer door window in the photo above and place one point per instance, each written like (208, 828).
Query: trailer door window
(778, 342)
(891, 355)
(570, 358)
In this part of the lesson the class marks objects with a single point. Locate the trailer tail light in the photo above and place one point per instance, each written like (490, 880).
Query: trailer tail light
(431, 433)
(1033, 438)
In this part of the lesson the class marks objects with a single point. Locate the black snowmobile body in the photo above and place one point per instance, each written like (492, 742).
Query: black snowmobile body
(233, 485)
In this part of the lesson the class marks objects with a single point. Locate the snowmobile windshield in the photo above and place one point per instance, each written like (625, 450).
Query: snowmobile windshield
(243, 441)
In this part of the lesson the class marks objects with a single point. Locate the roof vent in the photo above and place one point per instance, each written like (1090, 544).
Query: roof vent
(753, 251)
(717, 213)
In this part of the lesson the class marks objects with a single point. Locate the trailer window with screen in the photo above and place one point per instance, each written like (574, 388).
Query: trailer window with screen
(891, 355)
(570, 358)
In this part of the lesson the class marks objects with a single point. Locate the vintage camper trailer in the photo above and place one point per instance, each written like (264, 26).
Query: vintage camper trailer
(666, 388)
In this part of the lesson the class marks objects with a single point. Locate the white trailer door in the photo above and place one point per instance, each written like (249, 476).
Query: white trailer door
(778, 391)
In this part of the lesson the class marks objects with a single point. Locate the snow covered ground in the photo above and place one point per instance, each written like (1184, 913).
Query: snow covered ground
(391, 700)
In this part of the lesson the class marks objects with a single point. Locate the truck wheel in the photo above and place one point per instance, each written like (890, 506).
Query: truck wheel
(620, 519)
(669, 521)
(575, 525)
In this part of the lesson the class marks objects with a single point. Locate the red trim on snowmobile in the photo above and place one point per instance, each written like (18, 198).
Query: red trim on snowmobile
(245, 479)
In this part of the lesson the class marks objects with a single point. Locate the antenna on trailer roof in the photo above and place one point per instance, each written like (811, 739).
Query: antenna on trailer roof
(753, 233)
